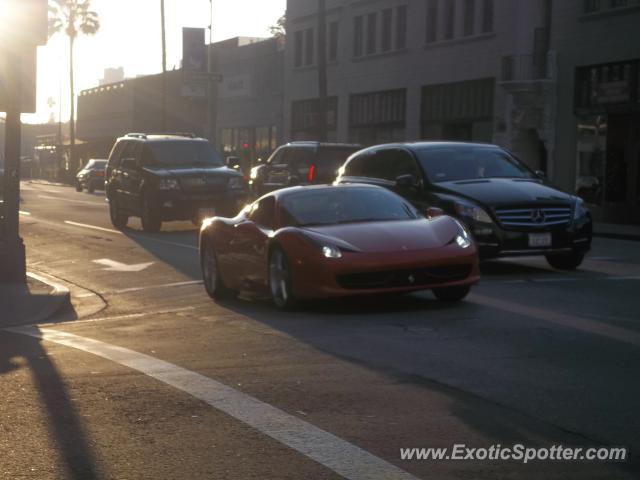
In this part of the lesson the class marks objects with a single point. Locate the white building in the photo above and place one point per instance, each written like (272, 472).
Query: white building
(498, 71)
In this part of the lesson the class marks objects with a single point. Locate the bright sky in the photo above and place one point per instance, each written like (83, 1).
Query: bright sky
(129, 37)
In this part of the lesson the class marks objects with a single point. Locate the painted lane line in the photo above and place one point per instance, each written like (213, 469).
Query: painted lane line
(153, 287)
(127, 316)
(586, 325)
(134, 236)
(344, 458)
(93, 227)
(21, 212)
(83, 202)
(113, 266)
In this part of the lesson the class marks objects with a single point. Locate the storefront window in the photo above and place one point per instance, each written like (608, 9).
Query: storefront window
(592, 142)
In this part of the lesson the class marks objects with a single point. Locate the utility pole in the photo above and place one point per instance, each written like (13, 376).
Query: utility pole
(12, 254)
(322, 71)
(25, 28)
(212, 84)
(164, 69)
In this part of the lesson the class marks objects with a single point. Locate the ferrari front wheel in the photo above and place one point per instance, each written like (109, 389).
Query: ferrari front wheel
(451, 294)
(280, 280)
(212, 280)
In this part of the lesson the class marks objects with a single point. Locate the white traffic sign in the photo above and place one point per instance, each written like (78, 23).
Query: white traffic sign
(113, 266)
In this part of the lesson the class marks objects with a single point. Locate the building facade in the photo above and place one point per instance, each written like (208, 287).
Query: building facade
(249, 96)
(598, 106)
(501, 71)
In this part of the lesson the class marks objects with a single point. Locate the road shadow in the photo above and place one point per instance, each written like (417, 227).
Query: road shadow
(67, 433)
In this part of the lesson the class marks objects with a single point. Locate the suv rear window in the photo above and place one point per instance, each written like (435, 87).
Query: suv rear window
(187, 153)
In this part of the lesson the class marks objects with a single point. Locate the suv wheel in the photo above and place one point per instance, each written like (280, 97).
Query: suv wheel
(78, 186)
(118, 219)
(565, 261)
(91, 187)
(151, 223)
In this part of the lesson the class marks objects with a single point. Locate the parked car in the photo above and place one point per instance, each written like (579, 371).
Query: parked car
(170, 177)
(299, 163)
(91, 177)
(330, 241)
(510, 209)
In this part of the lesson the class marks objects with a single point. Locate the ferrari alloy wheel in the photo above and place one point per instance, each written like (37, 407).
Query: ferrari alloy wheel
(213, 283)
(566, 261)
(451, 294)
(280, 280)
(149, 219)
(118, 219)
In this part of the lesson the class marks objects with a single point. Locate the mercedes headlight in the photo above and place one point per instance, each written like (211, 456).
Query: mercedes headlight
(579, 210)
(331, 251)
(169, 184)
(471, 211)
(463, 239)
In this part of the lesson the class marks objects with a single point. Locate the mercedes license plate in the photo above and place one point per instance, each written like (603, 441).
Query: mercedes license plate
(537, 240)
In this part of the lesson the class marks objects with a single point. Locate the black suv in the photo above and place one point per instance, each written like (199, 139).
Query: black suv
(170, 177)
(510, 209)
(300, 163)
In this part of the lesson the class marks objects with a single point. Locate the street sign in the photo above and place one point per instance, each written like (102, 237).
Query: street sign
(194, 63)
(26, 64)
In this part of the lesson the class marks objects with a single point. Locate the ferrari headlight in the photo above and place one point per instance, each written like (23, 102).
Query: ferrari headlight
(331, 251)
(235, 183)
(463, 239)
(471, 211)
(579, 210)
(169, 184)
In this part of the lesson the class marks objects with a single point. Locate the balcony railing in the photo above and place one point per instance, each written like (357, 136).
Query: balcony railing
(527, 68)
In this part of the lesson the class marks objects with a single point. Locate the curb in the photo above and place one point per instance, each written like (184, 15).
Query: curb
(61, 295)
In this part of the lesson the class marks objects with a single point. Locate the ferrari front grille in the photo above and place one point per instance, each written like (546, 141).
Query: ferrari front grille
(404, 278)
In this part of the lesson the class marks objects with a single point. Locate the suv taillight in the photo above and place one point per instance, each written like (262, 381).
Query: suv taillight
(312, 173)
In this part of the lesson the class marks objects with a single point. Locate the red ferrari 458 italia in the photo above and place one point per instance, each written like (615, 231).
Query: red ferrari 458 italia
(330, 241)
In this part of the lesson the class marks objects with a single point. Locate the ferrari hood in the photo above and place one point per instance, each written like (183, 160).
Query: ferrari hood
(387, 236)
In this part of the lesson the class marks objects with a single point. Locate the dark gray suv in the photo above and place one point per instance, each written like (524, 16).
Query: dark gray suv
(170, 177)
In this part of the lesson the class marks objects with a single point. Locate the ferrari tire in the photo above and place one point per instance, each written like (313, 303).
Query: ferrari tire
(118, 219)
(451, 294)
(281, 280)
(211, 277)
(151, 222)
(565, 261)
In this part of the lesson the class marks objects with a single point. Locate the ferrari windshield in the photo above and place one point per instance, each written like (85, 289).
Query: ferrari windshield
(463, 162)
(329, 206)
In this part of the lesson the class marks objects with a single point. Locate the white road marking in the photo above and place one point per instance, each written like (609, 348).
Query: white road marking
(126, 316)
(24, 213)
(153, 287)
(113, 266)
(84, 202)
(133, 235)
(93, 227)
(586, 325)
(344, 458)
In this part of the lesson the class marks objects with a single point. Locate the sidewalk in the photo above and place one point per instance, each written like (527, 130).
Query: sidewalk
(616, 230)
(34, 302)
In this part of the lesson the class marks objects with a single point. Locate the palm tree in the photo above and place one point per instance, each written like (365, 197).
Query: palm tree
(72, 17)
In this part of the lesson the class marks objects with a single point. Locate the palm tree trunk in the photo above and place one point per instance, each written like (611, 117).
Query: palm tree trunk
(72, 126)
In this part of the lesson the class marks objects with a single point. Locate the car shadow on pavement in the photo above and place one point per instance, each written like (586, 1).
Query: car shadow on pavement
(66, 432)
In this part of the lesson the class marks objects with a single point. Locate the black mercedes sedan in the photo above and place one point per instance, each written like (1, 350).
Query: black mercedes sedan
(510, 209)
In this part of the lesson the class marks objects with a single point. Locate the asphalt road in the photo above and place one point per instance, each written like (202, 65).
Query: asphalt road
(156, 381)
